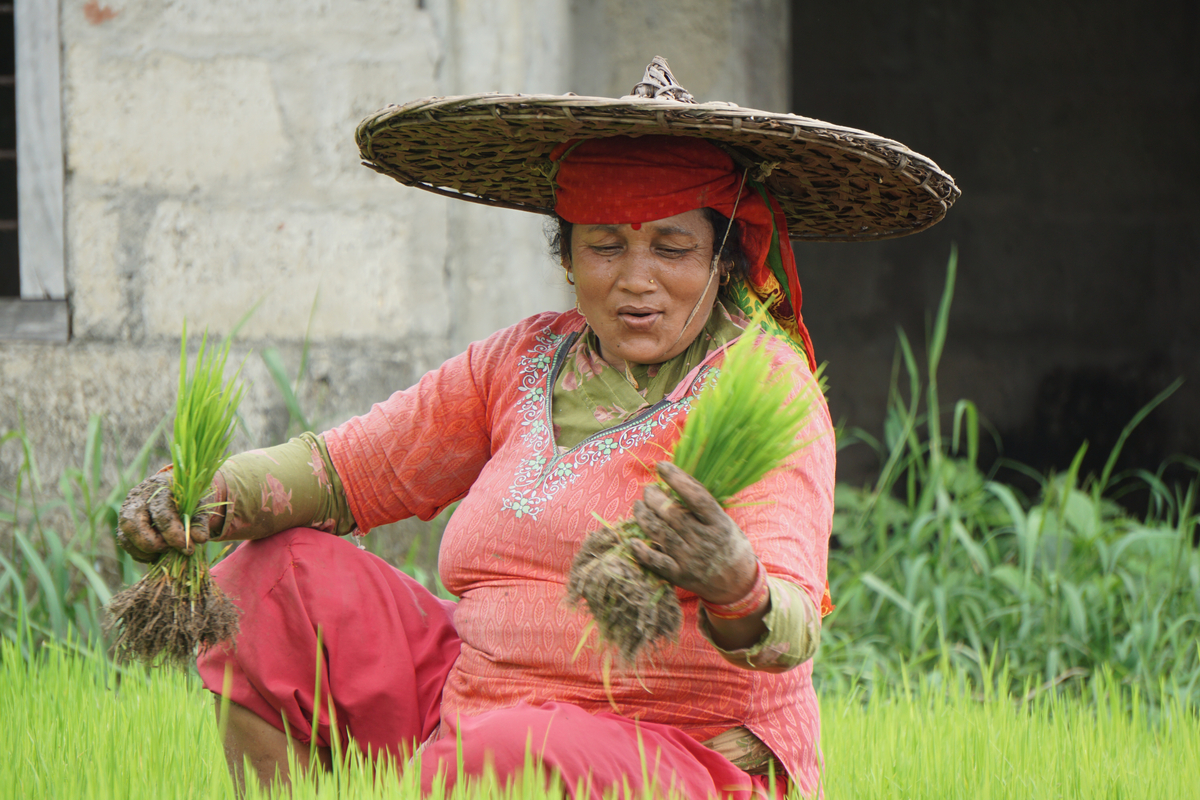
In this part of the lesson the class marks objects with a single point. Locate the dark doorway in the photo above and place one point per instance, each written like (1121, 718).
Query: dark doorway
(1071, 129)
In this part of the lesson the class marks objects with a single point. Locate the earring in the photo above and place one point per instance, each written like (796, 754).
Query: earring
(567, 270)
(725, 278)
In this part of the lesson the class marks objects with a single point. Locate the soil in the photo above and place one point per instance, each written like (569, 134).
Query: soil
(153, 620)
(632, 607)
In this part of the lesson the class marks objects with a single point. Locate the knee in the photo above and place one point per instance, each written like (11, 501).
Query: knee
(270, 579)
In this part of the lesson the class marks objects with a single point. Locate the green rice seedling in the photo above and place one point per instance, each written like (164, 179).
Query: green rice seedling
(83, 727)
(54, 568)
(177, 608)
(941, 740)
(743, 424)
(939, 560)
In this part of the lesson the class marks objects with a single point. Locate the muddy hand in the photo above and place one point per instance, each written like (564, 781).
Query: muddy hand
(149, 524)
(695, 544)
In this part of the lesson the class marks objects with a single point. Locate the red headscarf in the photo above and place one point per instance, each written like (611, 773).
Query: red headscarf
(621, 180)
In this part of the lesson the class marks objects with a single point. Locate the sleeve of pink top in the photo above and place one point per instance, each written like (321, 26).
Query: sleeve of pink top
(422, 448)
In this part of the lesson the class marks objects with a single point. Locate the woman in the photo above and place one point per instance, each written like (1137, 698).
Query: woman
(535, 429)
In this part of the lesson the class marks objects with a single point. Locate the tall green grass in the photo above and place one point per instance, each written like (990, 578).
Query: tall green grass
(940, 561)
(60, 563)
(289, 388)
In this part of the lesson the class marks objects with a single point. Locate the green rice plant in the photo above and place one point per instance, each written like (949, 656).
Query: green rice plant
(940, 561)
(744, 423)
(298, 421)
(55, 575)
(91, 728)
(84, 727)
(205, 414)
(943, 740)
(742, 426)
(177, 607)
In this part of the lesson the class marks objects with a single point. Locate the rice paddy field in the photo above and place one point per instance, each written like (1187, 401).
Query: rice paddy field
(79, 728)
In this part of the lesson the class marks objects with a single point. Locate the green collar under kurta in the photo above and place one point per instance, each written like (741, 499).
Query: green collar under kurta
(590, 395)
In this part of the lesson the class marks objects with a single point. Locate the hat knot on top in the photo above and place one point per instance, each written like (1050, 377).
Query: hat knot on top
(658, 83)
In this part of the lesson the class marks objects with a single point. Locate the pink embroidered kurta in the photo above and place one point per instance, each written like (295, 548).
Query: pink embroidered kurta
(478, 428)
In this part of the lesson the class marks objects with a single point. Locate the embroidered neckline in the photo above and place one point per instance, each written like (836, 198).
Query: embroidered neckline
(540, 477)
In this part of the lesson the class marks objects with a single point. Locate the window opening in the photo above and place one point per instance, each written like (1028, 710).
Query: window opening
(10, 268)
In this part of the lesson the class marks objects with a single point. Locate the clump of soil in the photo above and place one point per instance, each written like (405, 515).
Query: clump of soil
(632, 607)
(163, 616)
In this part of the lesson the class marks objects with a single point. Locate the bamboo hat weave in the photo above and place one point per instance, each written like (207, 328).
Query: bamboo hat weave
(833, 183)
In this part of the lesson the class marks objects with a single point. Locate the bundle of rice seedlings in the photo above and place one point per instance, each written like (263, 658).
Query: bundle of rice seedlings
(740, 428)
(176, 608)
(632, 607)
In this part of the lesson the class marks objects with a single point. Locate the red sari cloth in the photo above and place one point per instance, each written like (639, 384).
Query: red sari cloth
(387, 646)
(478, 429)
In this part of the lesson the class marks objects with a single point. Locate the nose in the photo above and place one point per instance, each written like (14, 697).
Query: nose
(637, 272)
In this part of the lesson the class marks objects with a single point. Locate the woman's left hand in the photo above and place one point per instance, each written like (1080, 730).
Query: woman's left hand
(694, 543)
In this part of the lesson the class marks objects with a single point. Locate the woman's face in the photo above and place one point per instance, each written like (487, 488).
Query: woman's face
(637, 288)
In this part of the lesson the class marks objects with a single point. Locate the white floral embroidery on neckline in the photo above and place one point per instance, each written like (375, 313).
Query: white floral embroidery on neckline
(549, 469)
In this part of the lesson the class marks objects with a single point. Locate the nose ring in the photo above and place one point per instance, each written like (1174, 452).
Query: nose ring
(652, 280)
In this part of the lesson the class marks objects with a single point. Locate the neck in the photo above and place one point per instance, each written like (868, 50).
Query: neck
(615, 361)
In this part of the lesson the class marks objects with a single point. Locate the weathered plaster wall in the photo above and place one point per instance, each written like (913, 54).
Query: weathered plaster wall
(730, 50)
(211, 166)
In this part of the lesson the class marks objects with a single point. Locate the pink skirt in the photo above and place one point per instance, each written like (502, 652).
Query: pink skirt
(386, 646)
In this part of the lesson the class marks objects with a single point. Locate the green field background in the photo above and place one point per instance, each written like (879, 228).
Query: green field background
(80, 728)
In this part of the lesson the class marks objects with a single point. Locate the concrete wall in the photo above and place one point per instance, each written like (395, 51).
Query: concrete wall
(1071, 129)
(211, 166)
(730, 50)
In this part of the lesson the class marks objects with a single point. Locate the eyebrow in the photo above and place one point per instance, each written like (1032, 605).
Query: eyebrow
(672, 230)
(661, 230)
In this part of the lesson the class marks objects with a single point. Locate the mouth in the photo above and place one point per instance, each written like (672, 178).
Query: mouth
(638, 318)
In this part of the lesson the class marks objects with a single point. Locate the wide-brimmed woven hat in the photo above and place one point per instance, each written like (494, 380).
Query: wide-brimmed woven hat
(833, 183)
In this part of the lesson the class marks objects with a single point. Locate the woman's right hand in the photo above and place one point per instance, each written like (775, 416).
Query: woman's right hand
(149, 524)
